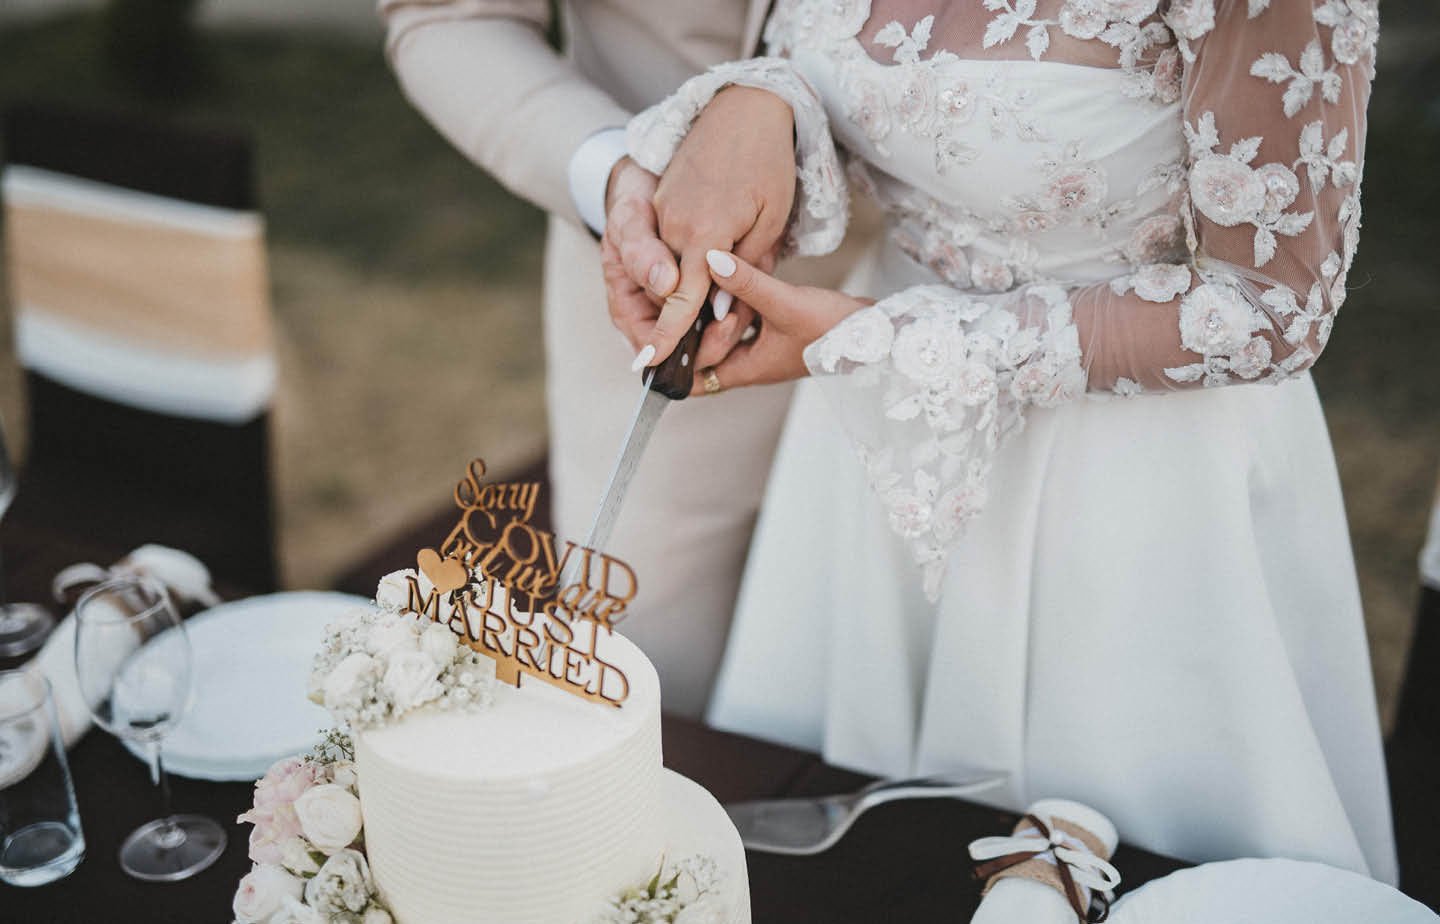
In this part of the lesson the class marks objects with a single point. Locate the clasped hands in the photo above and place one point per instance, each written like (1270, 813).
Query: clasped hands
(717, 215)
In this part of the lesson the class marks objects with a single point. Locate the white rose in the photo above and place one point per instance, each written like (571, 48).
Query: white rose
(343, 884)
(377, 915)
(410, 679)
(391, 636)
(262, 891)
(295, 856)
(1215, 319)
(394, 589)
(1226, 191)
(329, 817)
(293, 912)
(348, 680)
(342, 773)
(439, 644)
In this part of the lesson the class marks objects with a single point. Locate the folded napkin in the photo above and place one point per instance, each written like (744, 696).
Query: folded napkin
(1053, 869)
(184, 575)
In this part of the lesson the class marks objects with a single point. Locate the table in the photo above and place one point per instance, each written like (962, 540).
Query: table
(901, 861)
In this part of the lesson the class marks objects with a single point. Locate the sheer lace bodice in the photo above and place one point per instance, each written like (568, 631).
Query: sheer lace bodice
(1114, 196)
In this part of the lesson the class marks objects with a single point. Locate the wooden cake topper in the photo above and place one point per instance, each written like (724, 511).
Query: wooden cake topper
(496, 584)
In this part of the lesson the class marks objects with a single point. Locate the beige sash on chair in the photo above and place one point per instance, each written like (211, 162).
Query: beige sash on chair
(149, 301)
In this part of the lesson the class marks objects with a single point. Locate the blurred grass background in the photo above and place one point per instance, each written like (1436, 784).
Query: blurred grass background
(406, 289)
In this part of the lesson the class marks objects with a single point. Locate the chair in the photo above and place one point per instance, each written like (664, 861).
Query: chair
(136, 261)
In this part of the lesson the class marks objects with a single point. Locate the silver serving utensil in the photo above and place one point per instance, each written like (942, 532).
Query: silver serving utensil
(802, 827)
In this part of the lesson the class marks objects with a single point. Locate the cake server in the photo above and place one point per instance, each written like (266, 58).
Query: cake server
(801, 827)
(663, 384)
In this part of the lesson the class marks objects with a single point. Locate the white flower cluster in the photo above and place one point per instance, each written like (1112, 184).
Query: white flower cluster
(308, 866)
(689, 892)
(378, 664)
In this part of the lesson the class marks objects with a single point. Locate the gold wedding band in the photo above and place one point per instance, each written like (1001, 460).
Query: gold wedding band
(712, 381)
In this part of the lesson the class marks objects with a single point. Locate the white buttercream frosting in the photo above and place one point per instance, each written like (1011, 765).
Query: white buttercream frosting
(530, 810)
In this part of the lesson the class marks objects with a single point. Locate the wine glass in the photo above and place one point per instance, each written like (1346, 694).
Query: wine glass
(133, 662)
(23, 626)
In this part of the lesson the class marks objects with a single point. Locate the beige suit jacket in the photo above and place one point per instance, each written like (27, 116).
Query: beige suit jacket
(492, 85)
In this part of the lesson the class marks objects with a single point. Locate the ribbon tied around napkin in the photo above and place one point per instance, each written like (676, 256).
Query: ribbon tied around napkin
(1074, 861)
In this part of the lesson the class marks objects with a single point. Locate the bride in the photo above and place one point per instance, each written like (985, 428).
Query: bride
(1095, 536)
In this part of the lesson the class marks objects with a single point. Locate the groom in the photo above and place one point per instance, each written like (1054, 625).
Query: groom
(550, 127)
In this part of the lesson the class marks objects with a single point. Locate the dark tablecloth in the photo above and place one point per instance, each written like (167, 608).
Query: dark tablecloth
(901, 861)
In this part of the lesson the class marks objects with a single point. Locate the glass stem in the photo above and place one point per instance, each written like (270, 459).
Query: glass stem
(169, 835)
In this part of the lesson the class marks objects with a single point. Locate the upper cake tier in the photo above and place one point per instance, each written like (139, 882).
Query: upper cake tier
(530, 810)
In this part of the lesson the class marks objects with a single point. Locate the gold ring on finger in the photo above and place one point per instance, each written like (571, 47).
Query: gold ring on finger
(712, 381)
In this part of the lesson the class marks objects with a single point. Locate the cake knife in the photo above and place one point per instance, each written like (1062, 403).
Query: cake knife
(663, 384)
(801, 827)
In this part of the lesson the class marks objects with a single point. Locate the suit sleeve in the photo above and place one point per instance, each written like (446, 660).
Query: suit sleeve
(482, 73)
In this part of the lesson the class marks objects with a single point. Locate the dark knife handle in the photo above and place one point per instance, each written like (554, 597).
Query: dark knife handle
(675, 375)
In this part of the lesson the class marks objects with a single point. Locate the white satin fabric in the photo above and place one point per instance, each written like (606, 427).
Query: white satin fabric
(1156, 615)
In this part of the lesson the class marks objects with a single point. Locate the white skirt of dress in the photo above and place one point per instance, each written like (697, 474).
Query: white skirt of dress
(1157, 615)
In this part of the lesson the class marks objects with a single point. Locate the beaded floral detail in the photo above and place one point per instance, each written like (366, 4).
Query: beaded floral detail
(954, 374)
(1229, 192)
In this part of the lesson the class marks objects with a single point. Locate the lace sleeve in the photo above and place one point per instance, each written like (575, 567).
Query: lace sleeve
(931, 380)
(822, 197)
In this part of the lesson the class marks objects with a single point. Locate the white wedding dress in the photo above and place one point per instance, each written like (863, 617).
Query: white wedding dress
(1096, 537)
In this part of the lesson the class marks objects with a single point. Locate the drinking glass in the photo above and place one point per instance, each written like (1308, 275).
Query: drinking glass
(23, 626)
(133, 662)
(40, 836)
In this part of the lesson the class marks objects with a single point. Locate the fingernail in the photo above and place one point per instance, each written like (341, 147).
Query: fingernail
(659, 279)
(642, 359)
(721, 262)
(721, 302)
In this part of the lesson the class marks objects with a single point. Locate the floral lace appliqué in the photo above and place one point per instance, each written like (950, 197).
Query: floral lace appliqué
(955, 375)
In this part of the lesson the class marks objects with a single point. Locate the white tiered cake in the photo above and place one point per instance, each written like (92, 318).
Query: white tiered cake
(535, 808)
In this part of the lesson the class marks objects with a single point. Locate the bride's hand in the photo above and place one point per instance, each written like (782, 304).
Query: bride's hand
(731, 185)
(792, 316)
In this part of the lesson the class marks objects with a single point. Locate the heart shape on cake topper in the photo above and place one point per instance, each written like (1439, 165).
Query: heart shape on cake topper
(446, 574)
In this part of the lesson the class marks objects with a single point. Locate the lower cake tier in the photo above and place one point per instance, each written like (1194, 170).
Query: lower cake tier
(696, 825)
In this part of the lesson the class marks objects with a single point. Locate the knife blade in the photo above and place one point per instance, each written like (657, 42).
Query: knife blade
(661, 385)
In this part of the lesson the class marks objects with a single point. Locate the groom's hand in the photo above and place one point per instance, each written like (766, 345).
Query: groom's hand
(729, 187)
(639, 270)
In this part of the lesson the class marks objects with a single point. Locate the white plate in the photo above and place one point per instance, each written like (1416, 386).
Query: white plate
(1267, 892)
(252, 663)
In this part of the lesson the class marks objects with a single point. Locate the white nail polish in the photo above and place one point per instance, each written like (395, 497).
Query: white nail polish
(722, 302)
(642, 359)
(721, 262)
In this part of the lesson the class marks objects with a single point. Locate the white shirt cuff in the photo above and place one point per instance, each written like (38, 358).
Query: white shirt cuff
(590, 168)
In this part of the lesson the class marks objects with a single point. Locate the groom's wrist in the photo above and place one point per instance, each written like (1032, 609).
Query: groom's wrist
(590, 169)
